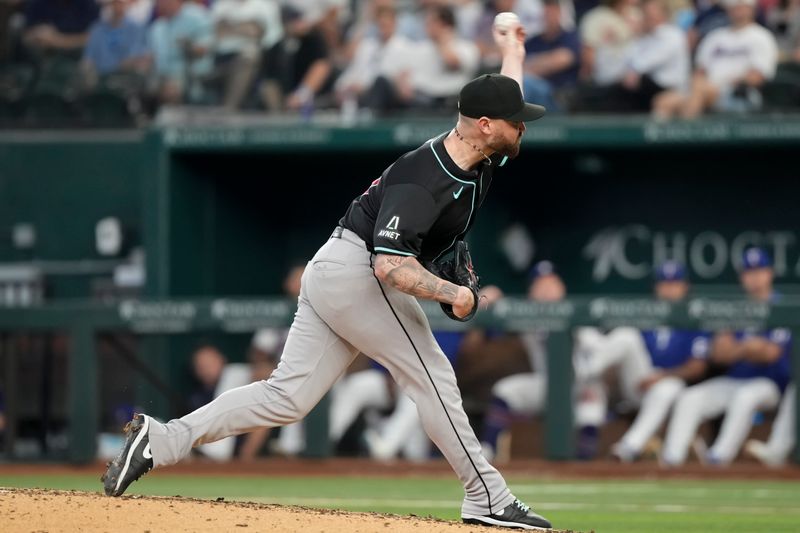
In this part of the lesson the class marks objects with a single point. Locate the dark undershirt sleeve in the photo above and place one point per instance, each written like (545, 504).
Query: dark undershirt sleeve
(407, 213)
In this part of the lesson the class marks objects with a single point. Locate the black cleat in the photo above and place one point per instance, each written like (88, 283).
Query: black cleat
(516, 515)
(133, 461)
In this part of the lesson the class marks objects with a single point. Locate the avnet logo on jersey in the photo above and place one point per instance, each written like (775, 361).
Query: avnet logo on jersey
(390, 232)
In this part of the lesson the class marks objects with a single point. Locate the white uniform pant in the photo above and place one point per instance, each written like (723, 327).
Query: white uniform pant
(653, 411)
(402, 433)
(738, 399)
(343, 309)
(524, 393)
(784, 433)
(365, 389)
(594, 354)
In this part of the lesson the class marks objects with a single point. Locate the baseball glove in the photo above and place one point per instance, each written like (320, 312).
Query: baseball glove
(458, 269)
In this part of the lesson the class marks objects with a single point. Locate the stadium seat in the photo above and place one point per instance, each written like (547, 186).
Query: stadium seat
(106, 109)
(46, 109)
(15, 81)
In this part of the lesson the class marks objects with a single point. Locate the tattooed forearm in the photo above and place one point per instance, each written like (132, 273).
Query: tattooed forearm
(408, 275)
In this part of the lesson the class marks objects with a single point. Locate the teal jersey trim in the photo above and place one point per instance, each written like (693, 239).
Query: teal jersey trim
(472, 207)
(391, 251)
(445, 168)
(503, 162)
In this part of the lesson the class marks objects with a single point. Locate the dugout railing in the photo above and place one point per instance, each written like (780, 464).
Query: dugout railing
(85, 322)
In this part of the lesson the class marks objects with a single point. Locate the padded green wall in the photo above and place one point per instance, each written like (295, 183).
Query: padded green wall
(63, 184)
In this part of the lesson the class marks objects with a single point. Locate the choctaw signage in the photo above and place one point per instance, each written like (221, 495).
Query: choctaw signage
(632, 251)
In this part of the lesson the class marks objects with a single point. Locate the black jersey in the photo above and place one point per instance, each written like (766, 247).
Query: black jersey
(421, 204)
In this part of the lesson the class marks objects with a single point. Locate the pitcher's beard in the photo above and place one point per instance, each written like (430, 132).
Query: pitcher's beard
(509, 149)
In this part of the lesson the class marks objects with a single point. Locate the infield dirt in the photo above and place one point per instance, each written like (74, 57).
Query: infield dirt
(26, 510)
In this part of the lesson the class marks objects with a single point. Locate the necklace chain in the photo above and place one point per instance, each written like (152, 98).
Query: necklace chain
(461, 137)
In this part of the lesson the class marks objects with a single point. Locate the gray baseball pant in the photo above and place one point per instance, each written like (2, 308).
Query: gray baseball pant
(343, 309)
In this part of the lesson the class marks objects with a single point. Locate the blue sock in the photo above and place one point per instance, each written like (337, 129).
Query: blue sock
(588, 438)
(498, 419)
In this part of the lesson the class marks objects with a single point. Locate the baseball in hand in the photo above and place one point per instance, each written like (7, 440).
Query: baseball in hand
(503, 21)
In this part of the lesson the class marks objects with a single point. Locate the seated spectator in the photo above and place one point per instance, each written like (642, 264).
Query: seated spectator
(551, 62)
(522, 394)
(652, 367)
(58, 26)
(243, 30)
(363, 24)
(658, 61)
(443, 64)
(207, 365)
(606, 33)
(387, 54)
(710, 15)
(179, 41)
(783, 437)
(298, 69)
(327, 16)
(116, 44)
(754, 373)
(678, 359)
(731, 64)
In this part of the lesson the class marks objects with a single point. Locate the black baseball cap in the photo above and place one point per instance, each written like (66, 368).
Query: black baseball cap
(496, 96)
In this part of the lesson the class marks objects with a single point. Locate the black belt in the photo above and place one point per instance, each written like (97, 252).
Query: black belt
(337, 233)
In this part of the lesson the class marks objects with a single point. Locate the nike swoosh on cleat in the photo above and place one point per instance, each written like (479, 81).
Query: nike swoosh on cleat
(142, 432)
(146, 452)
(457, 194)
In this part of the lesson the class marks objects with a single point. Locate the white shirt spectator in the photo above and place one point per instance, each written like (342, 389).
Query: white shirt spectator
(265, 13)
(374, 58)
(610, 35)
(662, 54)
(727, 54)
(431, 76)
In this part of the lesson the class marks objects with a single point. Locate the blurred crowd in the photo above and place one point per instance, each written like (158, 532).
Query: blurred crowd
(101, 59)
(674, 395)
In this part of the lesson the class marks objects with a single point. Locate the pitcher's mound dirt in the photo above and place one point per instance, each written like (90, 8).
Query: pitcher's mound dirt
(27, 510)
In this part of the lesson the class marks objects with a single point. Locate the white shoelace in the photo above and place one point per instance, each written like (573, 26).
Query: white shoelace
(524, 508)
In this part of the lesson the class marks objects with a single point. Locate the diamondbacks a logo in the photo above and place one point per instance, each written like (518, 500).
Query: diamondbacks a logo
(390, 231)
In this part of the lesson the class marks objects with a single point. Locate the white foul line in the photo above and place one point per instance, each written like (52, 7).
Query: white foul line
(543, 506)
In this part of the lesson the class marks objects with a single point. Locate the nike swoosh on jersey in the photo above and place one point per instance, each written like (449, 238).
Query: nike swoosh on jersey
(457, 194)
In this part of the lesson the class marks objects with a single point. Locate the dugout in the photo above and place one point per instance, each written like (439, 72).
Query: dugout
(222, 208)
